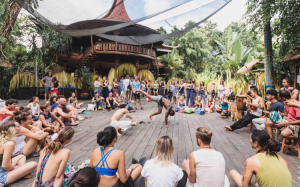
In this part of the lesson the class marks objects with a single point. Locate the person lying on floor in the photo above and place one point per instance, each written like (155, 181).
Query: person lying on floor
(107, 160)
(256, 110)
(292, 122)
(50, 122)
(53, 168)
(207, 165)
(162, 102)
(269, 168)
(121, 125)
(275, 105)
(161, 171)
(61, 112)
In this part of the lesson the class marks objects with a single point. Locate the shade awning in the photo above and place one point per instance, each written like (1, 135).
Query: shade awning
(247, 67)
(4, 63)
(295, 55)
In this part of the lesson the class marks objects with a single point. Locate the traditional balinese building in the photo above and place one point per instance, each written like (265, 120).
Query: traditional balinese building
(103, 55)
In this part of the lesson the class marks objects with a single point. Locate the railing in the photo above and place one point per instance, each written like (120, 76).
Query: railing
(121, 48)
(86, 53)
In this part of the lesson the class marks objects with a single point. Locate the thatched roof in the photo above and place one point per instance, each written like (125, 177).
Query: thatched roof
(4, 63)
(294, 56)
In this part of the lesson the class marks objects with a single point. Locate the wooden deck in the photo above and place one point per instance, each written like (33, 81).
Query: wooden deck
(140, 141)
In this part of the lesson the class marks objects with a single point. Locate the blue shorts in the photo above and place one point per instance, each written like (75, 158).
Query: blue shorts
(3, 175)
(47, 89)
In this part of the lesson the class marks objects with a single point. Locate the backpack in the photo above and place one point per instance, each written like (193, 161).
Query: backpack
(177, 109)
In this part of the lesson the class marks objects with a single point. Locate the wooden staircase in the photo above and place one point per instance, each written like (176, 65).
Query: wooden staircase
(88, 58)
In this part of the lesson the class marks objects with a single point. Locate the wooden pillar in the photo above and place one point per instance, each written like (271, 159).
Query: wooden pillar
(94, 68)
(65, 67)
(117, 60)
(137, 64)
(92, 42)
(100, 70)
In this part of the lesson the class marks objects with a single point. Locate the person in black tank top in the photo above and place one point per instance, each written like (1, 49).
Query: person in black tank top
(110, 102)
(286, 83)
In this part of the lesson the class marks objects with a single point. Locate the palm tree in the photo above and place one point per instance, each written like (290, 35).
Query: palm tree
(174, 64)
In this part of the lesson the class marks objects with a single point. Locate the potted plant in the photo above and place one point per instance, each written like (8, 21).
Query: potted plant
(87, 82)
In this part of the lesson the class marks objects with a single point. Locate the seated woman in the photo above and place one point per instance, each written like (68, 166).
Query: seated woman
(34, 106)
(199, 106)
(225, 107)
(85, 177)
(210, 108)
(161, 171)
(28, 141)
(12, 169)
(107, 161)
(52, 100)
(181, 103)
(110, 102)
(118, 98)
(53, 168)
(73, 101)
(50, 122)
(269, 168)
(98, 101)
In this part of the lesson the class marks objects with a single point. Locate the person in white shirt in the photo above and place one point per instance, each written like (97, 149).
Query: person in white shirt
(126, 83)
(207, 165)
(221, 88)
(161, 171)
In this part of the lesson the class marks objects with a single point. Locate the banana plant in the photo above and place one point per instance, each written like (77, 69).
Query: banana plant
(174, 64)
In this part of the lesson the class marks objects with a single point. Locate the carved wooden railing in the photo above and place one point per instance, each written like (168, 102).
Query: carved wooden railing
(86, 53)
(124, 49)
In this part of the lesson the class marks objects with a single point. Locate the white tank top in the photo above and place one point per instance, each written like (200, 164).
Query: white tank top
(258, 111)
(210, 168)
(20, 143)
(34, 109)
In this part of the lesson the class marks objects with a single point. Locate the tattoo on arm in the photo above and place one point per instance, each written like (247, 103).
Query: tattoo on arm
(244, 171)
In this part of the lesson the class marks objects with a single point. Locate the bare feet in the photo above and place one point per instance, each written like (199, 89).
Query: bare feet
(28, 176)
(95, 110)
(134, 124)
(75, 123)
(168, 126)
(80, 118)
(294, 145)
(228, 128)
(150, 118)
(118, 134)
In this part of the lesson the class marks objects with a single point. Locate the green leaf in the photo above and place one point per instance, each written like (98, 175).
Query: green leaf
(2, 39)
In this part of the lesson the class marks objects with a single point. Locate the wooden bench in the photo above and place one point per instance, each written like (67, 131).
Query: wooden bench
(285, 145)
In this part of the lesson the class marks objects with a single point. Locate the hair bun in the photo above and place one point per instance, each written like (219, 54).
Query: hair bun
(273, 145)
(209, 134)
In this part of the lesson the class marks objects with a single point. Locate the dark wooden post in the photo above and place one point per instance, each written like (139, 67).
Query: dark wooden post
(92, 43)
(137, 64)
(117, 60)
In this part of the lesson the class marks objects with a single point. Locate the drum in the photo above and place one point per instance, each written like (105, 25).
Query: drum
(240, 104)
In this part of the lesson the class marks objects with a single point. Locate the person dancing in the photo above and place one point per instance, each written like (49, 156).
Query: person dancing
(161, 101)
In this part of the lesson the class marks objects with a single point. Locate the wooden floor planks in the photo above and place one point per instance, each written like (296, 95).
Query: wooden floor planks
(139, 141)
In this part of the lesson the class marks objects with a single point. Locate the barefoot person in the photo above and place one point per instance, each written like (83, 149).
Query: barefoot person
(107, 160)
(61, 111)
(286, 83)
(53, 168)
(50, 122)
(256, 110)
(121, 125)
(269, 168)
(12, 169)
(161, 101)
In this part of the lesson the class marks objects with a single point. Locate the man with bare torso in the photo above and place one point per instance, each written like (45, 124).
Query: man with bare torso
(121, 125)
(162, 102)
(61, 111)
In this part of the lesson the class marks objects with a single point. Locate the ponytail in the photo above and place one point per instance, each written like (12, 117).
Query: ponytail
(86, 177)
(268, 144)
(63, 135)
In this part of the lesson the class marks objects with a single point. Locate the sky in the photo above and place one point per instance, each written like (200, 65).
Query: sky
(234, 11)
(70, 11)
